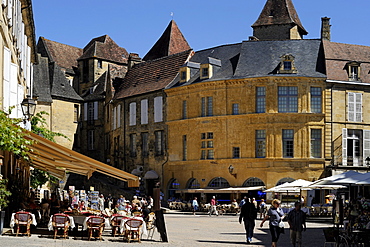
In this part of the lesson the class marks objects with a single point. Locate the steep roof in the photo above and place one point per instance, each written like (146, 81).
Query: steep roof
(64, 55)
(151, 75)
(337, 55)
(50, 82)
(171, 42)
(279, 12)
(105, 48)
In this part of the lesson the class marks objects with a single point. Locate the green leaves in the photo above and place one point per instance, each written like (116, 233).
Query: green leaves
(4, 193)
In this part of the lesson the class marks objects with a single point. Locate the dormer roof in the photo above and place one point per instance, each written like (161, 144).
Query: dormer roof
(279, 12)
(171, 42)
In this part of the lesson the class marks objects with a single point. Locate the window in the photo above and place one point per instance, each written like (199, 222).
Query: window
(91, 111)
(76, 113)
(235, 109)
(145, 144)
(354, 107)
(353, 69)
(252, 182)
(193, 184)
(260, 143)
(207, 146)
(236, 152)
(144, 111)
(355, 147)
(287, 65)
(288, 99)
(100, 64)
(207, 106)
(261, 99)
(184, 109)
(205, 72)
(159, 142)
(288, 143)
(158, 109)
(133, 145)
(316, 100)
(90, 139)
(184, 148)
(132, 113)
(219, 183)
(316, 143)
(183, 76)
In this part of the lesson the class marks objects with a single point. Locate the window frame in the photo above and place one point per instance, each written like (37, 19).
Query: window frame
(288, 99)
(288, 143)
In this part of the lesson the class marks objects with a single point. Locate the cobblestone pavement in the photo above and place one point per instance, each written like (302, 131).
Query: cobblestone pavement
(182, 230)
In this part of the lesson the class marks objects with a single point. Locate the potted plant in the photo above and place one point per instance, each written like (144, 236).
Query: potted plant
(4, 193)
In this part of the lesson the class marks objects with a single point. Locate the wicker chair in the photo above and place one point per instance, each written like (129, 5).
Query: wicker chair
(115, 223)
(61, 221)
(150, 225)
(132, 229)
(23, 219)
(95, 224)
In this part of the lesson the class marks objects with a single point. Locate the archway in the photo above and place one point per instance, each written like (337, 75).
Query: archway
(285, 180)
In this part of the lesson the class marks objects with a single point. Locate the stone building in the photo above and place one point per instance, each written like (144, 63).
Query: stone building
(142, 132)
(268, 110)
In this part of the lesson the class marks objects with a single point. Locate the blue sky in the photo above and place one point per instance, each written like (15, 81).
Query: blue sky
(137, 25)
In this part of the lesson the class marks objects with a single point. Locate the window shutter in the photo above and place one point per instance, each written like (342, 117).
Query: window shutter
(158, 109)
(366, 145)
(132, 113)
(13, 89)
(6, 67)
(114, 118)
(96, 108)
(85, 111)
(344, 146)
(118, 116)
(5, 2)
(20, 99)
(351, 107)
(10, 12)
(144, 111)
(358, 108)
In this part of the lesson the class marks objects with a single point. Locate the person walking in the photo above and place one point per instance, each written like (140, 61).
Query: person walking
(213, 206)
(275, 216)
(195, 205)
(248, 214)
(297, 224)
(263, 209)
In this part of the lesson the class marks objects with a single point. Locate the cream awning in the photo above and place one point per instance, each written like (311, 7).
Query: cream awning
(56, 159)
(221, 190)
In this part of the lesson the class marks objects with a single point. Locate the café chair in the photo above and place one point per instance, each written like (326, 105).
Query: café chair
(136, 214)
(23, 219)
(150, 225)
(115, 223)
(95, 224)
(61, 221)
(132, 229)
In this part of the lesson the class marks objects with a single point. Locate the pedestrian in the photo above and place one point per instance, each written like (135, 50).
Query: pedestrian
(195, 205)
(254, 202)
(243, 201)
(263, 209)
(213, 206)
(248, 214)
(101, 202)
(275, 216)
(297, 224)
(302, 200)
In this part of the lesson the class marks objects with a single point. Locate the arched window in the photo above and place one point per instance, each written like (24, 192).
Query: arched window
(173, 185)
(252, 182)
(193, 183)
(285, 180)
(219, 183)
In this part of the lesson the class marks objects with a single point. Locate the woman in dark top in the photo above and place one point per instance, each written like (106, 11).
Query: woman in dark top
(275, 216)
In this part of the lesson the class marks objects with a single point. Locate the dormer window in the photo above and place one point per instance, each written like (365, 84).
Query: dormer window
(287, 65)
(353, 70)
(184, 74)
(205, 72)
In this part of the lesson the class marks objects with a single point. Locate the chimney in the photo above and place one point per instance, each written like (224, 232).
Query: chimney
(325, 28)
(133, 59)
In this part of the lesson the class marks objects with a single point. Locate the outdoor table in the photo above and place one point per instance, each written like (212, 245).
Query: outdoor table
(84, 224)
(143, 226)
(12, 220)
(50, 224)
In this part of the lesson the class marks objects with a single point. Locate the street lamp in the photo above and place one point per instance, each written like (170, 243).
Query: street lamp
(231, 170)
(28, 107)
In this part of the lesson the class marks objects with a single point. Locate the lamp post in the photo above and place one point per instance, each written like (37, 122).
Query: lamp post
(231, 170)
(28, 109)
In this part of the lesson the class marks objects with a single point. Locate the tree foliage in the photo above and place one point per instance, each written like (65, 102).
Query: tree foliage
(4, 193)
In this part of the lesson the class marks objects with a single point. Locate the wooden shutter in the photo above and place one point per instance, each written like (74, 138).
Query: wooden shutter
(114, 123)
(366, 145)
(85, 111)
(96, 110)
(10, 12)
(144, 111)
(344, 146)
(132, 113)
(4, 3)
(6, 75)
(21, 93)
(118, 116)
(158, 109)
(358, 107)
(13, 97)
(351, 107)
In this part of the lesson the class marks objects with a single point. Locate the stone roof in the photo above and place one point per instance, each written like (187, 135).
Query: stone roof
(260, 59)
(64, 55)
(279, 12)
(151, 75)
(171, 42)
(50, 83)
(337, 55)
(105, 48)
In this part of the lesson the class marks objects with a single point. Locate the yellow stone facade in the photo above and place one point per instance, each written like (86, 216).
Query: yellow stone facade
(239, 131)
